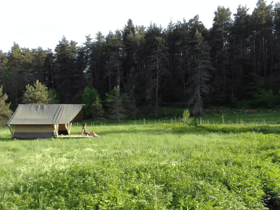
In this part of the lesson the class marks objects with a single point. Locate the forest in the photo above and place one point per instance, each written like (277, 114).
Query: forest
(235, 63)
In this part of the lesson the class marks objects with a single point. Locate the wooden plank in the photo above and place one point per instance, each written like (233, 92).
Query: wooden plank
(74, 136)
(62, 127)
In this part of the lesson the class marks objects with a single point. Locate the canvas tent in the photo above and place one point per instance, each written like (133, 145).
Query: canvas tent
(32, 121)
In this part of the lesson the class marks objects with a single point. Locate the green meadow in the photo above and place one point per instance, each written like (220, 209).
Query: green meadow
(224, 160)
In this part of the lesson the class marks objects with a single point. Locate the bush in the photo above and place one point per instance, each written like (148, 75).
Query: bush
(186, 118)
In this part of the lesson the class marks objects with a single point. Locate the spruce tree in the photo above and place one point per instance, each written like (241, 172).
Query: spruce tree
(5, 112)
(37, 94)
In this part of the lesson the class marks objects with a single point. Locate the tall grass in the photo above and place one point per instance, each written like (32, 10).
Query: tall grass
(145, 164)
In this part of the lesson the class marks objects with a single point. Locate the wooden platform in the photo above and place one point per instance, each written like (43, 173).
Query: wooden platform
(75, 136)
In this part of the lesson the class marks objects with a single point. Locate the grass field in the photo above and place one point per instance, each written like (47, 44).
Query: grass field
(227, 161)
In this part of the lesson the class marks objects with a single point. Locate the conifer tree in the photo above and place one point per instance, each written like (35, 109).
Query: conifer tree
(97, 110)
(67, 75)
(37, 94)
(199, 76)
(219, 43)
(5, 112)
(89, 98)
(114, 102)
(156, 52)
(114, 64)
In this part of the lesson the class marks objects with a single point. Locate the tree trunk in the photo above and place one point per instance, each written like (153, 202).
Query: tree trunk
(157, 84)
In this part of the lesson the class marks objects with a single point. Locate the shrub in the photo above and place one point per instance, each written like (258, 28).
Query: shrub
(186, 118)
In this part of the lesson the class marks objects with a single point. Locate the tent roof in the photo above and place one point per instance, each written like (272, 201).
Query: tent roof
(30, 114)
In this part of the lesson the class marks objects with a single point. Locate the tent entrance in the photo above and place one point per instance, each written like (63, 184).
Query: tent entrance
(62, 129)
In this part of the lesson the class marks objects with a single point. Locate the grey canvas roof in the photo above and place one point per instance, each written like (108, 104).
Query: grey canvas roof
(28, 114)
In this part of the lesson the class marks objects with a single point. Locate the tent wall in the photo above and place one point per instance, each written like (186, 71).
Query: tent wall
(79, 117)
(33, 131)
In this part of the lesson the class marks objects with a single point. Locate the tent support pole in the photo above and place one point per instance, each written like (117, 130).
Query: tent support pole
(11, 130)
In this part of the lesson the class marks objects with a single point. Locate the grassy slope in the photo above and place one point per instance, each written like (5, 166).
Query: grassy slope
(150, 166)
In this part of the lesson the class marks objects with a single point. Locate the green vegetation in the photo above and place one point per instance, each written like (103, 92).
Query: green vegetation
(38, 94)
(5, 112)
(118, 105)
(91, 99)
(225, 161)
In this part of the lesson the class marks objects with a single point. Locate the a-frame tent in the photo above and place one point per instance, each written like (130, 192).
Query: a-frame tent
(32, 121)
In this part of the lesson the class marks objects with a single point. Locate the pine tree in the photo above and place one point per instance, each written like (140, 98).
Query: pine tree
(97, 110)
(263, 30)
(18, 71)
(37, 94)
(239, 45)
(68, 77)
(5, 112)
(89, 97)
(156, 52)
(114, 102)
(95, 54)
(199, 76)
(219, 44)
(114, 63)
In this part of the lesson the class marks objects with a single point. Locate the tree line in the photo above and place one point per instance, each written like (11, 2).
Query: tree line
(184, 63)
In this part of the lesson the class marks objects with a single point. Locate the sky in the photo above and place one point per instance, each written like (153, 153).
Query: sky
(34, 23)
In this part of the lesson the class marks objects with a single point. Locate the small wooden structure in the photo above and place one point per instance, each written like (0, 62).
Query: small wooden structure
(32, 121)
(74, 136)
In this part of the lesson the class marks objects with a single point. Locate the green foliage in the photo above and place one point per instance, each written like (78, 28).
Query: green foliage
(265, 99)
(5, 112)
(199, 72)
(90, 98)
(171, 112)
(242, 104)
(37, 94)
(115, 105)
(130, 110)
(262, 98)
(53, 96)
(154, 166)
(186, 115)
(186, 118)
(97, 109)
